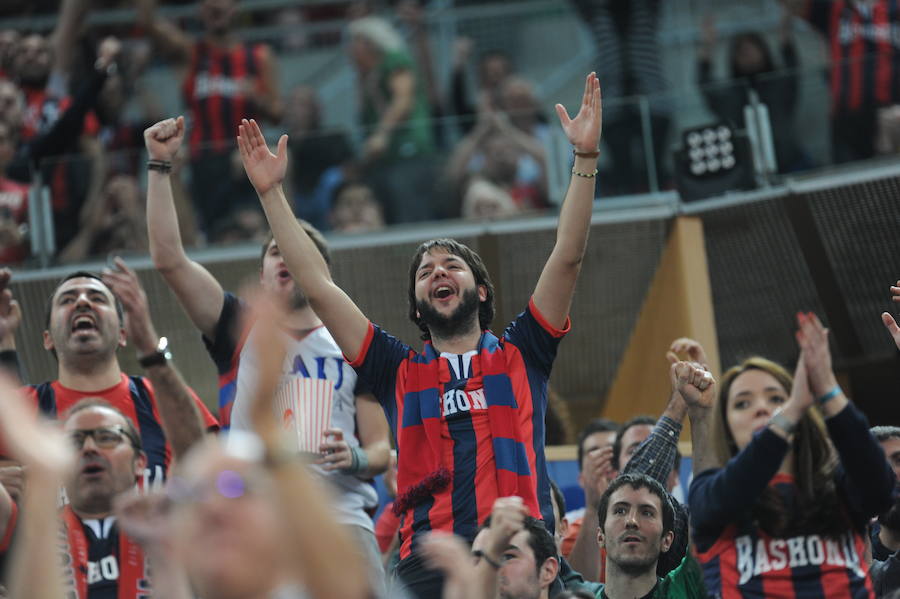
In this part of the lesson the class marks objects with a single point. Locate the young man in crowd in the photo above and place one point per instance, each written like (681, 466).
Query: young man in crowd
(637, 522)
(88, 319)
(357, 445)
(642, 446)
(468, 412)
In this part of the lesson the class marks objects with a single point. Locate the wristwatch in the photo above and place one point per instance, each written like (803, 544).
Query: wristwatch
(158, 358)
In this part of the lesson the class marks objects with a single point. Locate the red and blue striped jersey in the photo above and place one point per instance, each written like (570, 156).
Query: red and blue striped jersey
(742, 561)
(508, 374)
(745, 562)
(863, 44)
(135, 398)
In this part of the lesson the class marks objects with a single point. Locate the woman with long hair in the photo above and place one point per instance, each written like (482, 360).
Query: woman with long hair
(787, 476)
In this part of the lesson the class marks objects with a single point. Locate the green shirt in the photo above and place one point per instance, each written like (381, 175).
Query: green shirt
(413, 137)
(684, 582)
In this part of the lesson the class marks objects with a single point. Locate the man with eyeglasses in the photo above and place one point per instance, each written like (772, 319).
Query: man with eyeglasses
(101, 561)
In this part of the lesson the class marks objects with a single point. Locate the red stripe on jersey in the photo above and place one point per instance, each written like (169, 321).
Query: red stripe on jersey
(485, 495)
(859, 544)
(440, 516)
(835, 582)
(214, 102)
(837, 62)
(883, 62)
(724, 549)
(728, 572)
(260, 60)
(239, 73)
(518, 376)
(777, 583)
(857, 51)
(190, 97)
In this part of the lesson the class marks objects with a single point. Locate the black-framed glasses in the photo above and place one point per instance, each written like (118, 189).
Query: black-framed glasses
(105, 437)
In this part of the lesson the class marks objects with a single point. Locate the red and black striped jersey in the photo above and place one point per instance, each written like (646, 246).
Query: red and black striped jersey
(863, 41)
(216, 89)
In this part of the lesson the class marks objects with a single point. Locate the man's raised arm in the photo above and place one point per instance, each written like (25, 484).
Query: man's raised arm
(344, 320)
(198, 291)
(556, 285)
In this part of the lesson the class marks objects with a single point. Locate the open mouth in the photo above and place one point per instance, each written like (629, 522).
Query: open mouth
(84, 322)
(442, 292)
(632, 539)
(93, 469)
(284, 275)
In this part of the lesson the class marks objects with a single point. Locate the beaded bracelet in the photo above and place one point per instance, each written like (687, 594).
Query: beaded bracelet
(585, 175)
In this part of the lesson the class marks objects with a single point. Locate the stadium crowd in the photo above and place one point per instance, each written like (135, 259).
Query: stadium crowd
(126, 485)
(74, 101)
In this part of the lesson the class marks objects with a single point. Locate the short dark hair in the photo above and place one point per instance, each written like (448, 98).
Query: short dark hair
(597, 425)
(638, 481)
(317, 238)
(883, 433)
(97, 402)
(617, 446)
(80, 274)
(540, 540)
(479, 271)
(559, 498)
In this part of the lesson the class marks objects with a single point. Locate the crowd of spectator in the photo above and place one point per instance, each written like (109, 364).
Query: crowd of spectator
(74, 101)
(128, 486)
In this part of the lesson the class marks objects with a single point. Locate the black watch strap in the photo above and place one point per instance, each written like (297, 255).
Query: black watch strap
(158, 358)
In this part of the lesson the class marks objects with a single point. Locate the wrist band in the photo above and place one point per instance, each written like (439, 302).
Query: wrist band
(482, 555)
(359, 461)
(162, 166)
(585, 175)
(834, 392)
(781, 421)
(592, 154)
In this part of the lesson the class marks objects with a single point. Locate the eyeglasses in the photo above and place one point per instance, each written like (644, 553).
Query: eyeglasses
(105, 437)
(227, 483)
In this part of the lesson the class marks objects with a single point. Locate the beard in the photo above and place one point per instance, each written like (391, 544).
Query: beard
(456, 322)
(635, 565)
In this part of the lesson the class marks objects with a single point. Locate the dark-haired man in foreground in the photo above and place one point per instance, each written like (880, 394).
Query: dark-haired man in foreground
(468, 411)
(637, 527)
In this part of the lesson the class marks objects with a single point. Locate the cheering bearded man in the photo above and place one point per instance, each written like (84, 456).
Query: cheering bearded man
(467, 412)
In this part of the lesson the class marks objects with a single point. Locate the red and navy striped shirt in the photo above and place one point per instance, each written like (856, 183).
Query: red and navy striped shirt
(741, 561)
(215, 90)
(135, 398)
(460, 400)
(864, 50)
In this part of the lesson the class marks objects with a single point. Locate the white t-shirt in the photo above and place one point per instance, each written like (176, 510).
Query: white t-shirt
(315, 370)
